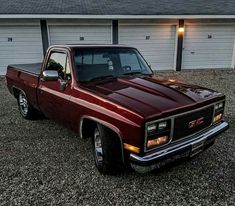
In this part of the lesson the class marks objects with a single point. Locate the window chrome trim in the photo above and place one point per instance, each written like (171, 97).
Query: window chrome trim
(172, 118)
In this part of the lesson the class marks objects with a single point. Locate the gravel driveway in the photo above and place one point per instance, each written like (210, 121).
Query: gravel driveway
(41, 163)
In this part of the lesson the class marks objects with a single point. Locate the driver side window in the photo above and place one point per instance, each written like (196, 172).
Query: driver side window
(59, 62)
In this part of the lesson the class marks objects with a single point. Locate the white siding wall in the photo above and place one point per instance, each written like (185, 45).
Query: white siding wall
(199, 50)
(26, 45)
(159, 50)
(233, 58)
(202, 52)
(70, 34)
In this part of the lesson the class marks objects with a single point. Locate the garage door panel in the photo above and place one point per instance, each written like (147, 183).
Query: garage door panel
(209, 59)
(20, 45)
(222, 36)
(156, 59)
(208, 55)
(153, 41)
(75, 34)
(78, 41)
(208, 46)
(204, 39)
(19, 54)
(72, 34)
(143, 36)
(17, 32)
(21, 38)
(157, 54)
(61, 34)
(210, 28)
(24, 38)
(146, 33)
(158, 50)
(61, 30)
(216, 33)
(82, 28)
(154, 48)
(154, 29)
(25, 47)
(208, 66)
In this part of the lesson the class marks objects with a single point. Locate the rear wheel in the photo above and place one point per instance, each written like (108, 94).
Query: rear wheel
(107, 150)
(26, 110)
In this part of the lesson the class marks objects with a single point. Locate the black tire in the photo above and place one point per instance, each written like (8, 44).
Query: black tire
(26, 110)
(109, 158)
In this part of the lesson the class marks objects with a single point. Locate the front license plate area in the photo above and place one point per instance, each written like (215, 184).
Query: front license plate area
(197, 148)
(173, 159)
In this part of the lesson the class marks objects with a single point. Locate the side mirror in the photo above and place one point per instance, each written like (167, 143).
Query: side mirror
(50, 75)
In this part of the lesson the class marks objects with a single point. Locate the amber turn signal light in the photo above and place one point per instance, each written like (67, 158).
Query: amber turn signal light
(131, 148)
(157, 142)
(218, 117)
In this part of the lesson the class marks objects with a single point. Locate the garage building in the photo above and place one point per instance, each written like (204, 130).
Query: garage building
(171, 35)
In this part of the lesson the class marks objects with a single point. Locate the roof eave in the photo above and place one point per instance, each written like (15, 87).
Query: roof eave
(75, 16)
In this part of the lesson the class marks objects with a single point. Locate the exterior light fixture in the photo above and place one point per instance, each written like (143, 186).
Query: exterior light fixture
(181, 30)
(157, 142)
(131, 148)
(172, 80)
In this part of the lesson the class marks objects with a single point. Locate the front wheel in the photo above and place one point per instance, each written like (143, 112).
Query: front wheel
(26, 110)
(107, 150)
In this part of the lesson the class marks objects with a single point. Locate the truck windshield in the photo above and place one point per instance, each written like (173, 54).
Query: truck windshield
(99, 63)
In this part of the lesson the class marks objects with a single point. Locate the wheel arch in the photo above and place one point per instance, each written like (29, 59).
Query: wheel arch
(104, 123)
(16, 91)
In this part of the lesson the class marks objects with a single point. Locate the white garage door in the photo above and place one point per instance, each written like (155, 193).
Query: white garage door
(80, 34)
(19, 44)
(155, 42)
(208, 46)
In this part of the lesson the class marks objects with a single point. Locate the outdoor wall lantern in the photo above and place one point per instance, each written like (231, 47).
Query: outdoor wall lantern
(181, 30)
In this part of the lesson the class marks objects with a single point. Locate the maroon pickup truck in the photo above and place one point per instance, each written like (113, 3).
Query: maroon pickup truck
(108, 93)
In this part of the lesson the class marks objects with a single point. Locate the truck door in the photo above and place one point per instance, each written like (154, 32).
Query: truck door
(54, 95)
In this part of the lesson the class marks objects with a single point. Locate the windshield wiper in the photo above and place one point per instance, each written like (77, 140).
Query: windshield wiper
(133, 73)
(103, 77)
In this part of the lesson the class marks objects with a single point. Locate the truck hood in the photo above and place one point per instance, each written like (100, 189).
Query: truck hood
(150, 97)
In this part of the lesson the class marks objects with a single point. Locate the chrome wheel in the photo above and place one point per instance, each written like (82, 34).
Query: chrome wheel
(98, 147)
(23, 103)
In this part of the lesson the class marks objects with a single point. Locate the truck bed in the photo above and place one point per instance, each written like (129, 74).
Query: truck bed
(34, 68)
(24, 77)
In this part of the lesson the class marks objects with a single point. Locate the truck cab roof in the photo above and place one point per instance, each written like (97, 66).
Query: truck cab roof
(75, 46)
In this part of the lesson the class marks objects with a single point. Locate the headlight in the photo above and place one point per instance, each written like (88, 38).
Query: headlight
(218, 117)
(219, 106)
(162, 125)
(157, 142)
(151, 128)
(158, 133)
(219, 110)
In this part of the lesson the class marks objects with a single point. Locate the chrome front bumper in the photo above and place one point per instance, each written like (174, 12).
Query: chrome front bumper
(192, 146)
